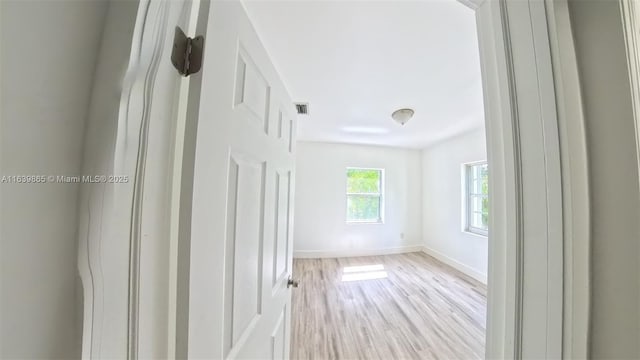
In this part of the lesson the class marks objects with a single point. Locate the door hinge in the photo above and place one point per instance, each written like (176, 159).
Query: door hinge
(186, 55)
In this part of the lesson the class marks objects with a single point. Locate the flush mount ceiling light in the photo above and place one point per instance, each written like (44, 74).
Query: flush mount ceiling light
(401, 116)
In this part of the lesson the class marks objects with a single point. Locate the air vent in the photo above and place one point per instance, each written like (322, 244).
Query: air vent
(302, 108)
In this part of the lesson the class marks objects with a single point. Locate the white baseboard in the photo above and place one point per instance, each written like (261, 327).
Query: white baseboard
(315, 254)
(456, 264)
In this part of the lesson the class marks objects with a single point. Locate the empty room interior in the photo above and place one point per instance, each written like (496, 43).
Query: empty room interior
(391, 180)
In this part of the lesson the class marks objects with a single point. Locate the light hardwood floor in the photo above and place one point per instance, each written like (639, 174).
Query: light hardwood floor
(424, 309)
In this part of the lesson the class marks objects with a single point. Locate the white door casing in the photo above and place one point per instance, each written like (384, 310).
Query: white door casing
(539, 228)
(575, 183)
(241, 139)
(124, 237)
(630, 11)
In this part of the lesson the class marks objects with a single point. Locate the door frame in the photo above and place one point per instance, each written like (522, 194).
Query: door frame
(538, 278)
(630, 12)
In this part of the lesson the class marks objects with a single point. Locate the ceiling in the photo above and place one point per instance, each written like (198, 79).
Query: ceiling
(355, 62)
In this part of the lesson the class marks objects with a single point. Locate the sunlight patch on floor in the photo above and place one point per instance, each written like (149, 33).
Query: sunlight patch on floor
(364, 272)
(363, 268)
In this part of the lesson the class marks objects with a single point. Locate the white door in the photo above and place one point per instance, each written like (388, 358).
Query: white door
(241, 212)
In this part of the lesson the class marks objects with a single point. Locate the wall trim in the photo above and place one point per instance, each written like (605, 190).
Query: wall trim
(467, 270)
(319, 254)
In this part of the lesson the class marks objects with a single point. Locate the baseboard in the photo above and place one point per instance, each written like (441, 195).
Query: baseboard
(456, 264)
(316, 254)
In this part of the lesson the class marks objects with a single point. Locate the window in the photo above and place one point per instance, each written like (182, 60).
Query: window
(477, 198)
(364, 195)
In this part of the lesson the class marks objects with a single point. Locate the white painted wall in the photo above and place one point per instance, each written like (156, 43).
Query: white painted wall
(430, 219)
(442, 204)
(320, 206)
(613, 178)
(49, 50)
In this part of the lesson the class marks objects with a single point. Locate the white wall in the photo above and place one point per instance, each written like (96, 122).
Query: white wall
(613, 178)
(49, 50)
(320, 206)
(442, 204)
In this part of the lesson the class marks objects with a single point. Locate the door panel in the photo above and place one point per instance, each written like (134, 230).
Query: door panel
(278, 350)
(252, 90)
(240, 251)
(280, 253)
(280, 124)
(292, 135)
(246, 206)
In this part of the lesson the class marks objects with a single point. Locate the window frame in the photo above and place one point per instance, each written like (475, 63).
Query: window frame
(469, 195)
(379, 195)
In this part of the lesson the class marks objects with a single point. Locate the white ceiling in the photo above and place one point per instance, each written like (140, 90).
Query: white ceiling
(356, 62)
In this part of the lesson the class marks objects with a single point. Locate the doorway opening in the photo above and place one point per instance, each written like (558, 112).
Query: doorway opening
(391, 213)
(232, 233)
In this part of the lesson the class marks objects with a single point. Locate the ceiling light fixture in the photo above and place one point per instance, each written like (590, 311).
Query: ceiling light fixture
(401, 116)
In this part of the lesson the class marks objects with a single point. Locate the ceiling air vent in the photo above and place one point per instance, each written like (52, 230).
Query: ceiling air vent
(302, 108)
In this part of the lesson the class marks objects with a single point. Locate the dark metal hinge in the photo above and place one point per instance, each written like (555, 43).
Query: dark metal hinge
(186, 55)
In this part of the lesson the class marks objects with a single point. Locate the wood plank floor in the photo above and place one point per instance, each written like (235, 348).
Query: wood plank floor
(424, 309)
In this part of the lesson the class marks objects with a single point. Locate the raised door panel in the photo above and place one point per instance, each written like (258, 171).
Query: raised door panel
(278, 337)
(243, 283)
(292, 135)
(279, 125)
(281, 239)
(252, 92)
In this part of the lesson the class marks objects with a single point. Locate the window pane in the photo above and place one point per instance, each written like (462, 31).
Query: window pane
(485, 212)
(363, 208)
(479, 220)
(484, 179)
(479, 210)
(477, 197)
(476, 203)
(363, 181)
(476, 221)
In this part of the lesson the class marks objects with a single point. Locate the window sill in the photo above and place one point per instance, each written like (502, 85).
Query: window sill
(485, 236)
(374, 222)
